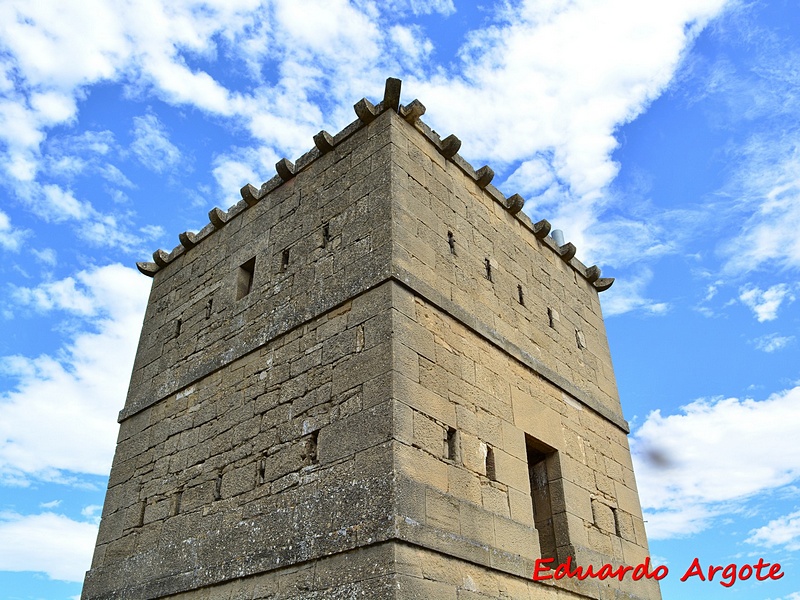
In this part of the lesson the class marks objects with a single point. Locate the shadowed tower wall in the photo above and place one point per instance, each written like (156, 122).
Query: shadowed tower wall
(373, 377)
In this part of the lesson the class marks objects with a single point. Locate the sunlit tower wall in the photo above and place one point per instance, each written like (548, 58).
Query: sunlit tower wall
(373, 377)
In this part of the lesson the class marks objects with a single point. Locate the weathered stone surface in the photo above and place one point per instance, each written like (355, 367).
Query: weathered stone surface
(412, 111)
(484, 176)
(359, 383)
(324, 141)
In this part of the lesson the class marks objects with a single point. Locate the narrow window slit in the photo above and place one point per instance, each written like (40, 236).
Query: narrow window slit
(313, 445)
(326, 235)
(520, 296)
(176, 502)
(452, 444)
(541, 459)
(551, 318)
(451, 241)
(616, 521)
(178, 324)
(488, 265)
(310, 451)
(218, 487)
(142, 507)
(285, 260)
(262, 469)
(244, 278)
(209, 306)
(491, 472)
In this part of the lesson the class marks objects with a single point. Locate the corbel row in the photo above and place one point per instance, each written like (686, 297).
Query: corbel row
(324, 143)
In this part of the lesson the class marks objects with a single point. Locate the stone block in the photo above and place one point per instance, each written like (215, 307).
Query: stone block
(463, 484)
(603, 517)
(429, 435)
(515, 538)
(373, 424)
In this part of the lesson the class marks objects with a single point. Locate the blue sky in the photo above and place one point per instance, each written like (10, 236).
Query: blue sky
(662, 137)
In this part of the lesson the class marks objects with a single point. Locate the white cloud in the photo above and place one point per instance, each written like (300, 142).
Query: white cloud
(62, 295)
(55, 204)
(628, 295)
(569, 99)
(411, 42)
(50, 543)
(152, 232)
(784, 531)
(48, 439)
(151, 144)
(765, 303)
(10, 238)
(92, 512)
(239, 167)
(58, 205)
(425, 7)
(702, 463)
(572, 97)
(773, 342)
(113, 175)
(768, 190)
(56, 50)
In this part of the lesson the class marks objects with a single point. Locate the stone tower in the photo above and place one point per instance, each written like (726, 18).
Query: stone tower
(373, 377)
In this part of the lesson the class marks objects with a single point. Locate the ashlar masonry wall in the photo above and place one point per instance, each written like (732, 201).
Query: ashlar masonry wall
(501, 346)
(371, 378)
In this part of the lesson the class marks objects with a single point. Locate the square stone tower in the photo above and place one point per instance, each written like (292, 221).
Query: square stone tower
(373, 377)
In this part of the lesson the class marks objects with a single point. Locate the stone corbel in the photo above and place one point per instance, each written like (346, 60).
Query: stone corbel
(484, 176)
(450, 146)
(602, 284)
(147, 268)
(391, 94)
(541, 229)
(412, 111)
(161, 258)
(365, 111)
(515, 204)
(567, 251)
(324, 142)
(285, 169)
(188, 239)
(218, 217)
(592, 273)
(250, 194)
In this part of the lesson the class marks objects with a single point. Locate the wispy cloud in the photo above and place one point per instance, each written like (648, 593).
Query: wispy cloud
(773, 342)
(425, 7)
(769, 194)
(765, 303)
(628, 295)
(705, 461)
(151, 144)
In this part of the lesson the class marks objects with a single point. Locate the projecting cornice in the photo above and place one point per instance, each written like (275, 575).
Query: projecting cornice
(324, 142)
